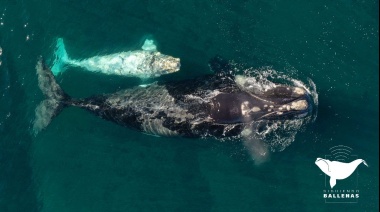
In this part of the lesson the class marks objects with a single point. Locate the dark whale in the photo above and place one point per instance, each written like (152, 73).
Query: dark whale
(218, 105)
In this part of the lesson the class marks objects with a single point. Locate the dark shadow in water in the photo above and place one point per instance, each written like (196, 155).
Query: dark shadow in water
(17, 191)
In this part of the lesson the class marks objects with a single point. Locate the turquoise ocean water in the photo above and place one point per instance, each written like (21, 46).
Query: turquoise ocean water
(83, 163)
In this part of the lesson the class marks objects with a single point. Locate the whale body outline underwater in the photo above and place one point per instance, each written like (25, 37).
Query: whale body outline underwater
(337, 170)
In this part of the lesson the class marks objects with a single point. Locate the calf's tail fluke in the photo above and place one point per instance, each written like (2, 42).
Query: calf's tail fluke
(61, 58)
(56, 98)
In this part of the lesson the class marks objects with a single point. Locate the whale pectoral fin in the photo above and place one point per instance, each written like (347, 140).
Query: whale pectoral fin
(149, 45)
(256, 147)
(332, 182)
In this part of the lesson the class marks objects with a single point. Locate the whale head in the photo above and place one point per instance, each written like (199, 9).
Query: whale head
(279, 102)
(324, 165)
(165, 64)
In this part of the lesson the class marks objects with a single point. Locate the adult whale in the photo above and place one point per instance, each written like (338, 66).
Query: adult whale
(144, 63)
(218, 105)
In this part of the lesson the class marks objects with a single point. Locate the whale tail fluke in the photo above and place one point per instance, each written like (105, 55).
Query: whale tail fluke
(61, 58)
(56, 98)
(332, 182)
(365, 163)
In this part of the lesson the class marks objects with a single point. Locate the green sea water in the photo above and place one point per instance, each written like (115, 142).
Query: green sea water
(83, 163)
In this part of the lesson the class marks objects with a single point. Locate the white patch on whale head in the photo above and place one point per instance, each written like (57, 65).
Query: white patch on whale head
(165, 64)
(255, 109)
(245, 108)
(299, 105)
(299, 91)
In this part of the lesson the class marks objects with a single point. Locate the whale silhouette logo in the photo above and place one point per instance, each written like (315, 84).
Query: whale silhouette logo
(338, 170)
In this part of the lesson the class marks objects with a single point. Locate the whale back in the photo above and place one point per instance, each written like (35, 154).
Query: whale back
(343, 170)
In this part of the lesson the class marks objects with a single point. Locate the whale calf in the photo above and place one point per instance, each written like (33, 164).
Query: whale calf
(338, 170)
(218, 105)
(144, 63)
